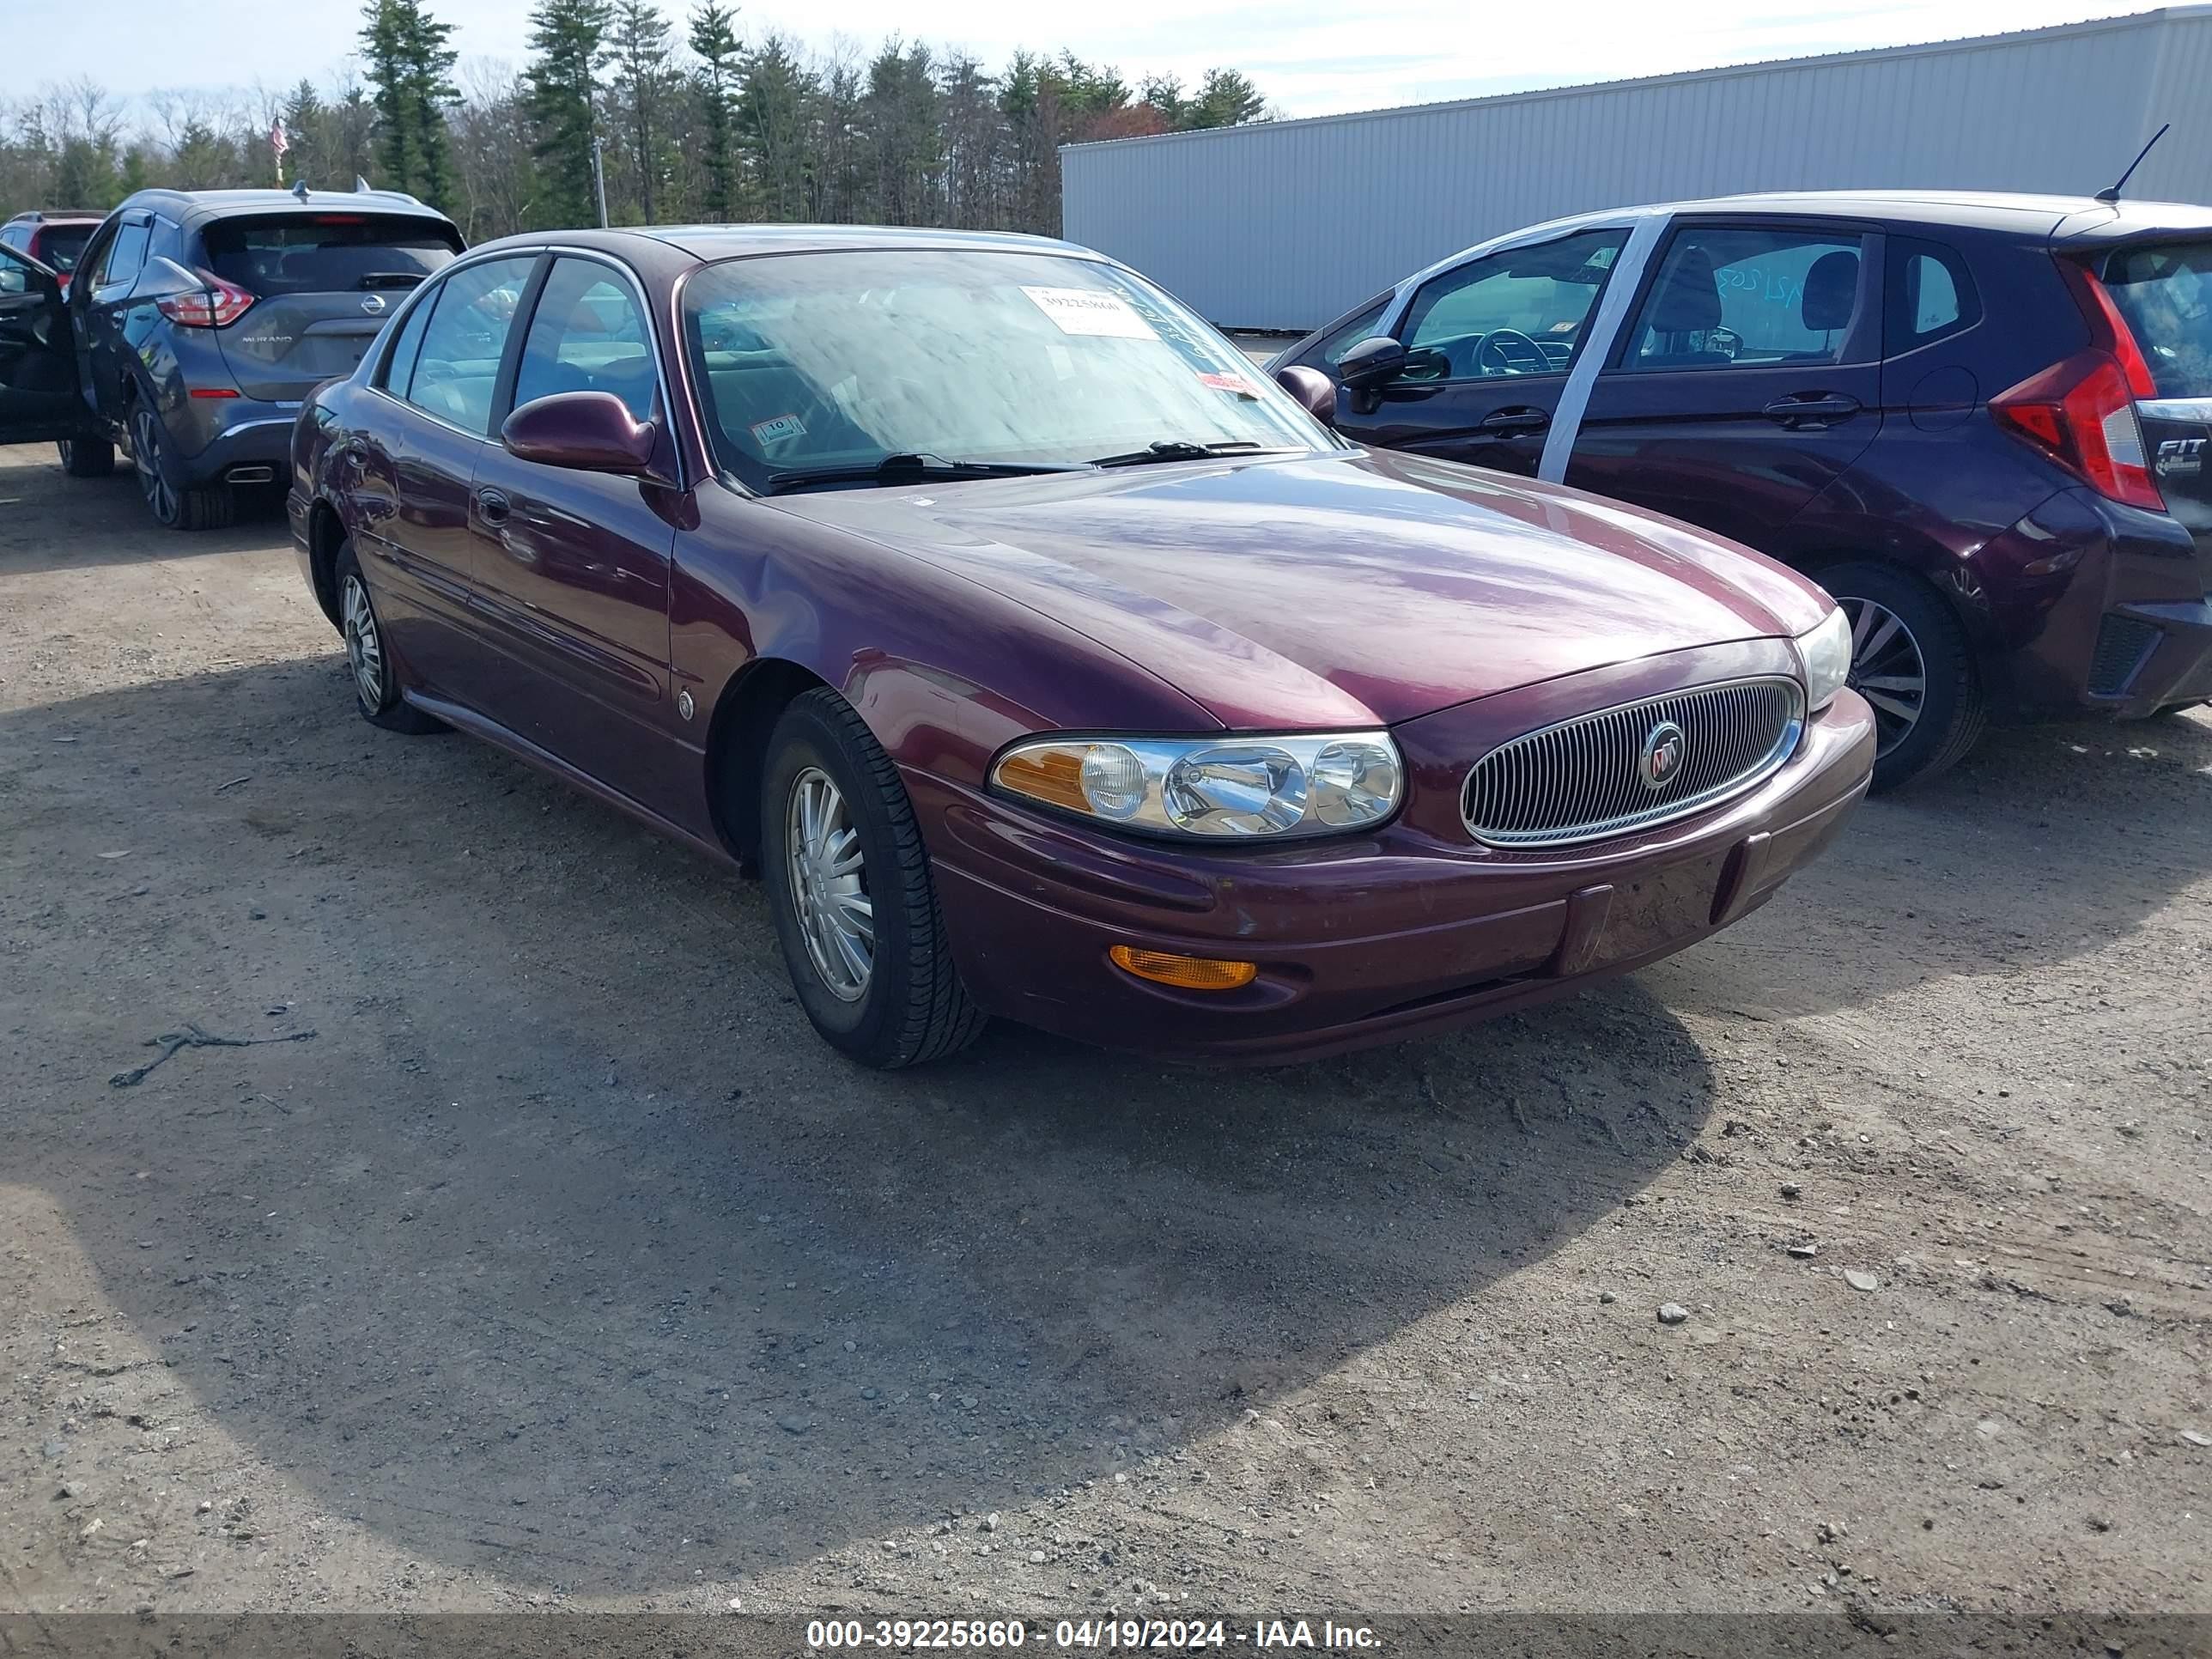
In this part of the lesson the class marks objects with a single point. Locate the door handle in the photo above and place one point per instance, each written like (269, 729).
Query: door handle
(1817, 407)
(493, 507)
(1522, 418)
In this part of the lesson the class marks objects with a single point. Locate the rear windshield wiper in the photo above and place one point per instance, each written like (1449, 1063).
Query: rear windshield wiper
(1182, 449)
(901, 469)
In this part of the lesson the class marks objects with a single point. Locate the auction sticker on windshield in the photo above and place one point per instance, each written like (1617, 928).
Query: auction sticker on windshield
(1092, 311)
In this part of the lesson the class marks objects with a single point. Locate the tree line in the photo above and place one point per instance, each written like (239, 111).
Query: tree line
(703, 123)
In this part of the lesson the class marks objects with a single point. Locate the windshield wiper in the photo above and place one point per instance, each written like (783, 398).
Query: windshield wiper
(1182, 449)
(906, 468)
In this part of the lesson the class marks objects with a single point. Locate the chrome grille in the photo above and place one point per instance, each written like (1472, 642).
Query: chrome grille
(1583, 779)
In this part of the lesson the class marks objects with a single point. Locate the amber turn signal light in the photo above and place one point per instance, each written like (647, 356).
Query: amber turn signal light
(1184, 973)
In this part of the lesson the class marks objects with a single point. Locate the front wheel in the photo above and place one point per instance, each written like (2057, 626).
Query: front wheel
(1910, 661)
(87, 458)
(849, 888)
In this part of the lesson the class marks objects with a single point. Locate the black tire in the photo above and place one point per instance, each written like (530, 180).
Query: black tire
(1951, 711)
(372, 668)
(910, 1006)
(87, 458)
(199, 506)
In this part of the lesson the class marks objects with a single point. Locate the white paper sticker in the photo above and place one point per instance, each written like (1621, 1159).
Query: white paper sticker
(783, 426)
(1092, 311)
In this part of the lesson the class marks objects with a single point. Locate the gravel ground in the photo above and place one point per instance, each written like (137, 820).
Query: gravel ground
(556, 1262)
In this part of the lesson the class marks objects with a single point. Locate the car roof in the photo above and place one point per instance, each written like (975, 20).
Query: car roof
(197, 207)
(711, 242)
(58, 216)
(1980, 209)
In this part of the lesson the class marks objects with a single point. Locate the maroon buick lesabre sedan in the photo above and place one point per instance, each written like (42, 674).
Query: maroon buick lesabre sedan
(1044, 659)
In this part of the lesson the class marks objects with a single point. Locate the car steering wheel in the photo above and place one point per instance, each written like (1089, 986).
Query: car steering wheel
(1534, 361)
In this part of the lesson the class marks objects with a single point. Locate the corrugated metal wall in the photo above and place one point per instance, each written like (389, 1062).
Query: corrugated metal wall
(1286, 224)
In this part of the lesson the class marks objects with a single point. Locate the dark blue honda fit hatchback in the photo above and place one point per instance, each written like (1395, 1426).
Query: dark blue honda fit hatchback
(1980, 421)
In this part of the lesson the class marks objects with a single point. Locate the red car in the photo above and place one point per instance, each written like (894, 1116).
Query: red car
(54, 237)
(1046, 659)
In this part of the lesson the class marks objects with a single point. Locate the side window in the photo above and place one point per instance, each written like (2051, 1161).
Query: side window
(16, 236)
(1520, 312)
(457, 365)
(1931, 293)
(399, 362)
(587, 335)
(125, 254)
(1324, 353)
(1738, 298)
(15, 275)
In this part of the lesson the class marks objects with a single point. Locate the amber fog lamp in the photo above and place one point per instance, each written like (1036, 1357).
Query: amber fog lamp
(1184, 973)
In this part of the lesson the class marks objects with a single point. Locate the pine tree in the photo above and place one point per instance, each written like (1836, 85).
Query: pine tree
(1224, 99)
(569, 37)
(715, 42)
(305, 123)
(640, 52)
(776, 126)
(406, 58)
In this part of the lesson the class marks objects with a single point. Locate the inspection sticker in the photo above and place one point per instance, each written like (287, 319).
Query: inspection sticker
(1236, 383)
(773, 431)
(1092, 311)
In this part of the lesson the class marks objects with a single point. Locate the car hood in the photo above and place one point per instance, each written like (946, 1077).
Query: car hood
(1335, 590)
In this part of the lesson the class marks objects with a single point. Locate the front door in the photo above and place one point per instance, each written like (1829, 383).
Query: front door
(38, 365)
(1748, 380)
(571, 569)
(1489, 344)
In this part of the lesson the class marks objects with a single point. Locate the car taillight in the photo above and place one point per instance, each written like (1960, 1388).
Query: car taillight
(217, 306)
(2083, 412)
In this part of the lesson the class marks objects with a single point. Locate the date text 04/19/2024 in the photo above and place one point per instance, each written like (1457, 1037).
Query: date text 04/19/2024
(1156, 1635)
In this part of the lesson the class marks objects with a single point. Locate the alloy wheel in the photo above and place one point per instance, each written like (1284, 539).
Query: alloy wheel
(829, 885)
(364, 648)
(1886, 669)
(145, 450)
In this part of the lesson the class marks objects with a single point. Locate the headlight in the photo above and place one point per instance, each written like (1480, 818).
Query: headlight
(1220, 788)
(1827, 652)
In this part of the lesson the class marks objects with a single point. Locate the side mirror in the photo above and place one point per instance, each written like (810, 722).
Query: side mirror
(1312, 388)
(1375, 360)
(586, 431)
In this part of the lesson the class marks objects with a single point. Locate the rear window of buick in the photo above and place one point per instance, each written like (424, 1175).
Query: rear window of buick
(326, 253)
(2165, 294)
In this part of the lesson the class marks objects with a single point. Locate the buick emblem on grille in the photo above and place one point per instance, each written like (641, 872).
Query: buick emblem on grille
(1661, 757)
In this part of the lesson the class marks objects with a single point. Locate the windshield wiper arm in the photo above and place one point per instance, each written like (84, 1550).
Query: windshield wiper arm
(1182, 449)
(903, 468)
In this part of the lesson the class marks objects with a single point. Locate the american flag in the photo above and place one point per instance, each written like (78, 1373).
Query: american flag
(277, 141)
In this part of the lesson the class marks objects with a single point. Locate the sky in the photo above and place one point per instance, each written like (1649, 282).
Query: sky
(1308, 57)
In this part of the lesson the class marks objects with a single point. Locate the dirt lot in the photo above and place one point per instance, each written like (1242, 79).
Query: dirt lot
(561, 1264)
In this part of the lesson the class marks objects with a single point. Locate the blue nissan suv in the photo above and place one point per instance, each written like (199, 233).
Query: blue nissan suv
(196, 323)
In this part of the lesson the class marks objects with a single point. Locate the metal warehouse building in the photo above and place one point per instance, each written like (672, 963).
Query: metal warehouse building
(1286, 224)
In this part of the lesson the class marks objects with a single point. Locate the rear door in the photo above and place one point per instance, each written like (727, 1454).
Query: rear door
(322, 286)
(1748, 378)
(409, 472)
(1489, 344)
(2163, 291)
(38, 365)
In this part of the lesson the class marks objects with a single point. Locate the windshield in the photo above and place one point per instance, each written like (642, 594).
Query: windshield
(2165, 293)
(833, 360)
(60, 245)
(326, 253)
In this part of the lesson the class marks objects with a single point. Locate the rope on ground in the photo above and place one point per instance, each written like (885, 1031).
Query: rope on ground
(193, 1037)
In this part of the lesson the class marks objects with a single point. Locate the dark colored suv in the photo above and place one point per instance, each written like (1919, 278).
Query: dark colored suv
(1981, 420)
(199, 322)
(54, 237)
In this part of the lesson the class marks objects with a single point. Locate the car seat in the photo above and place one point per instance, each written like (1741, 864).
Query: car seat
(1688, 303)
(1830, 294)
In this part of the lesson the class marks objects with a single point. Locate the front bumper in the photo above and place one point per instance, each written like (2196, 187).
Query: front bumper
(1360, 941)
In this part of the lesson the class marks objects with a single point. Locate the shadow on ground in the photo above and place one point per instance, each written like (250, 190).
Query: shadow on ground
(566, 1251)
(105, 522)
